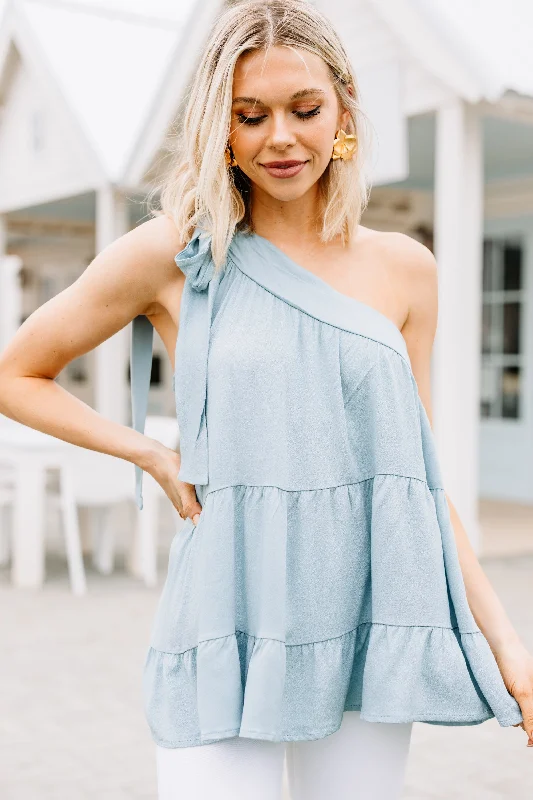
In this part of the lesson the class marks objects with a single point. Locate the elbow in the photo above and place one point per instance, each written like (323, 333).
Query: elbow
(7, 390)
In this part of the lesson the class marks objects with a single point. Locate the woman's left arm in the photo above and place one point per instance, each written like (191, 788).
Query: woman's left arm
(417, 275)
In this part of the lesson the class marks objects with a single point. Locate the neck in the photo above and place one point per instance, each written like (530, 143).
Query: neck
(293, 220)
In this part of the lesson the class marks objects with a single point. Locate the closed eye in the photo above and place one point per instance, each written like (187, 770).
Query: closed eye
(256, 120)
(306, 114)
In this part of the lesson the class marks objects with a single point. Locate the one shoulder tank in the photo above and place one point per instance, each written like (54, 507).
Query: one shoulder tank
(323, 574)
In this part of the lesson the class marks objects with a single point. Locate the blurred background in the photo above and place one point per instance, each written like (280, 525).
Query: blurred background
(89, 95)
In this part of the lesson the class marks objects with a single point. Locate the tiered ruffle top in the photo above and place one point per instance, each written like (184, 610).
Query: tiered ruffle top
(323, 574)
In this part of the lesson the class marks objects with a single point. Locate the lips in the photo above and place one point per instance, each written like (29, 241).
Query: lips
(282, 164)
(284, 169)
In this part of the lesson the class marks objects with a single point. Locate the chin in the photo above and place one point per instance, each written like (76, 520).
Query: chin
(288, 194)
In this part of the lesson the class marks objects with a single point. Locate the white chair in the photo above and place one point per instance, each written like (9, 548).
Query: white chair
(62, 500)
(166, 431)
(27, 457)
(99, 482)
(6, 505)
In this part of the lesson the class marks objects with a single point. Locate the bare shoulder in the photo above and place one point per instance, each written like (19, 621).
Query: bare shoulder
(158, 238)
(411, 267)
(143, 260)
(160, 235)
(404, 253)
(413, 271)
(134, 274)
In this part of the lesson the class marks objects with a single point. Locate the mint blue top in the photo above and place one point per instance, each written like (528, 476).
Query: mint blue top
(323, 574)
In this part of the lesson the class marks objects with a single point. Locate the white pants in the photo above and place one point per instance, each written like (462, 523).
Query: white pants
(360, 761)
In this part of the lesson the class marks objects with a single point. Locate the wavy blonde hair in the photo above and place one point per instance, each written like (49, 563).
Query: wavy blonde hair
(200, 188)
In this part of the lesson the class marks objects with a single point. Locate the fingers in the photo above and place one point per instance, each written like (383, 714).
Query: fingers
(190, 507)
(165, 469)
(527, 713)
(194, 516)
(525, 701)
(193, 511)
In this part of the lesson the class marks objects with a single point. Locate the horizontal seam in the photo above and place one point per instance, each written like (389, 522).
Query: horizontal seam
(196, 739)
(422, 717)
(331, 324)
(210, 734)
(243, 731)
(325, 488)
(290, 736)
(377, 717)
(317, 641)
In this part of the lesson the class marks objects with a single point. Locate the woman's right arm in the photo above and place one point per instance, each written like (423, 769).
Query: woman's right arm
(135, 274)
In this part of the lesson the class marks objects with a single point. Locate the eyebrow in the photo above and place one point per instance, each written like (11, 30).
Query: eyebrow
(296, 96)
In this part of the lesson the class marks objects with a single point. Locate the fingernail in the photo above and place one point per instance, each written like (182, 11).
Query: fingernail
(196, 518)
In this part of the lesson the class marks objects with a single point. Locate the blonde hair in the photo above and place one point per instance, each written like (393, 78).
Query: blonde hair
(200, 188)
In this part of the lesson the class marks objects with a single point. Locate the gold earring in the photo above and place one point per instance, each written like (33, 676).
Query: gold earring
(344, 145)
(230, 158)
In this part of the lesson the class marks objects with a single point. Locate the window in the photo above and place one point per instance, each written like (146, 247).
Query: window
(156, 374)
(503, 312)
(77, 370)
(37, 130)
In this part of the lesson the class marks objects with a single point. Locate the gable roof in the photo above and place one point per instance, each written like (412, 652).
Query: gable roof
(108, 68)
(441, 38)
(17, 44)
(108, 65)
(493, 39)
(122, 74)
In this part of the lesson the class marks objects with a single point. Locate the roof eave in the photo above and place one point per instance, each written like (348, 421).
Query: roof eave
(168, 99)
(7, 26)
(422, 41)
(20, 33)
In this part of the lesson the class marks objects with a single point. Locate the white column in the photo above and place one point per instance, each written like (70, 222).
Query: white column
(10, 289)
(458, 250)
(111, 357)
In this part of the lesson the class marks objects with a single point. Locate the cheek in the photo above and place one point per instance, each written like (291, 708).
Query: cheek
(319, 132)
(320, 141)
(246, 140)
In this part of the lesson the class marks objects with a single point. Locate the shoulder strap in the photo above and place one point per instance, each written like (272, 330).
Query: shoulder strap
(142, 337)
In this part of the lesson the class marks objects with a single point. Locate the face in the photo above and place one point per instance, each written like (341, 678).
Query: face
(285, 114)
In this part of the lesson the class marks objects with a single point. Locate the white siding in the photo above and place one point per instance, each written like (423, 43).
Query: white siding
(40, 158)
(370, 42)
(366, 39)
(506, 445)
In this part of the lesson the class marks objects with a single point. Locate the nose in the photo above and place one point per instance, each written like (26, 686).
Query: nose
(281, 133)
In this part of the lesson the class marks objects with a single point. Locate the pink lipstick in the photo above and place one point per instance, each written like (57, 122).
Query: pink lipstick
(284, 169)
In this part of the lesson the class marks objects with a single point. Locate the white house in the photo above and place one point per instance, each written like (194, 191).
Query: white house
(87, 100)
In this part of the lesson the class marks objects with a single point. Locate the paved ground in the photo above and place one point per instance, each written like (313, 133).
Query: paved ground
(72, 727)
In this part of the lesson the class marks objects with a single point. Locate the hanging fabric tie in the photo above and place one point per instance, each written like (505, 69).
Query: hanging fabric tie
(190, 376)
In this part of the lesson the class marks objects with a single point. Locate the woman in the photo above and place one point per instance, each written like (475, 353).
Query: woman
(317, 589)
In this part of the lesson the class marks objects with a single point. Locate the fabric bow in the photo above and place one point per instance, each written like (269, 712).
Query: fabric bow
(195, 260)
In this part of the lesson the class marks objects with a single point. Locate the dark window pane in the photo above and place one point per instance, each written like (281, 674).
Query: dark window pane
(488, 246)
(485, 409)
(486, 330)
(511, 328)
(490, 388)
(512, 267)
(155, 374)
(510, 392)
(77, 370)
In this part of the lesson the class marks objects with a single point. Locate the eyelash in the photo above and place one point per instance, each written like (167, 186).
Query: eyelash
(303, 115)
